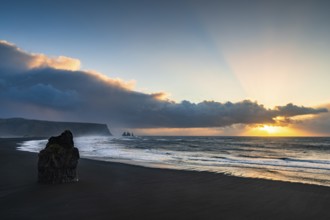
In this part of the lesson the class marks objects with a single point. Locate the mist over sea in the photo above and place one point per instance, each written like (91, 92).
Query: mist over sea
(292, 159)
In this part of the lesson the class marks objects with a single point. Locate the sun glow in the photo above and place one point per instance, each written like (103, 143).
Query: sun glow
(272, 130)
(269, 129)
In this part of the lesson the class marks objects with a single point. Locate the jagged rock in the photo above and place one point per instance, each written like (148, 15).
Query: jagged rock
(58, 160)
(127, 134)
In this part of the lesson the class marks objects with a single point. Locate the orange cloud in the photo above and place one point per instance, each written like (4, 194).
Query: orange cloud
(129, 85)
(61, 62)
(160, 96)
(33, 61)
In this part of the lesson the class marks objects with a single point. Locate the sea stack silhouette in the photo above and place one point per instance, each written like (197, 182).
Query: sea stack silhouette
(127, 134)
(58, 161)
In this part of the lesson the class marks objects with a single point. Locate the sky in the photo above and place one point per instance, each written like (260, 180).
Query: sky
(169, 67)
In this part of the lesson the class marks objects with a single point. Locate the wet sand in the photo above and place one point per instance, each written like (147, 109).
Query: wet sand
(119, 191)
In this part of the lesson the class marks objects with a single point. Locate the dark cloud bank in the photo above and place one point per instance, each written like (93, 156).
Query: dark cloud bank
(34, 86)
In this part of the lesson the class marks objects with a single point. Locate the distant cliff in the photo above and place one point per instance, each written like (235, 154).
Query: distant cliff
(19, 127)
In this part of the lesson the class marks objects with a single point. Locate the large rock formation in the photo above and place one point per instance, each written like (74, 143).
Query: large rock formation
(58, 161)
(20, 127)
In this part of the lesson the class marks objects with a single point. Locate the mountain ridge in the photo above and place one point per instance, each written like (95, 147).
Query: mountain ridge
(22, 127)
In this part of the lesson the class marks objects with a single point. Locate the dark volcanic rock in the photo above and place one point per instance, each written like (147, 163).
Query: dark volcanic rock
(58, 161)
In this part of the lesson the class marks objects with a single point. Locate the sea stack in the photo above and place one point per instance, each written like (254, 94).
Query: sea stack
(58, 160)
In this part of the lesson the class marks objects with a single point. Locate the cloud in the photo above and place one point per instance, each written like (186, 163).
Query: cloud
(36, 86)
(12, 58)
(316, 125)
(15, 59)
(292, 110)
(44, 95)
(61, 62)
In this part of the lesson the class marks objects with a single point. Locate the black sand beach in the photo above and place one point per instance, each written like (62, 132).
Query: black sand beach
(118, 191)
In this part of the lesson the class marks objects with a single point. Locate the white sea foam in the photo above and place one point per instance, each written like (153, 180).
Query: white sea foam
(32, 146)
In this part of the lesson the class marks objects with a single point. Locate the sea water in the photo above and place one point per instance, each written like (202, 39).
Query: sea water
(292, 159)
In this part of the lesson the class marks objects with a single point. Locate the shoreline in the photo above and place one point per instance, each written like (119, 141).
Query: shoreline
(279, 168)
(137, 164)
(123, 191)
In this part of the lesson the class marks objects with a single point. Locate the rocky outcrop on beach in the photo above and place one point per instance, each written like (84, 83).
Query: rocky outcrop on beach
(58, 160)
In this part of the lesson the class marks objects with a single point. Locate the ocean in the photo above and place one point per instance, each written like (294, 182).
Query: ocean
(291, 159)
